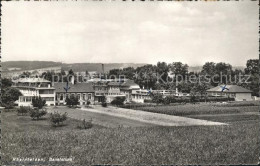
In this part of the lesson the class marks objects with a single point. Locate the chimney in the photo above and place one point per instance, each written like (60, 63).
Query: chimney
(72, 80)
(103, 69)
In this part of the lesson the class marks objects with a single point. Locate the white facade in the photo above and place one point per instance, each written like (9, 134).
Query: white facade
(31, 87)
(237, 96)
(243, 97)
(47, 94)
(142, 94)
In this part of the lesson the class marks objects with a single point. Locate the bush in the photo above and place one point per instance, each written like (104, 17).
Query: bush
(72, 101)
(57, 118)
(193, 99)
(118, 101)
(148, 101)
(169, 99)
(38, 102)
(23, 110)
(218, 99)
(157, 98)
(104, 104)
(85, 124)
(8, 104)
(37, 113)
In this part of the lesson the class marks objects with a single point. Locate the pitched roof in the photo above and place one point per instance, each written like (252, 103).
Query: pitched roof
(74, 88)
(130, 83)
(127, 83)
(31, 80)
(230, 89)
(115, 83)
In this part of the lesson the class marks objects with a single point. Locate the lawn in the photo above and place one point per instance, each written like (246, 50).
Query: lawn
(202, 108)
(237, 143)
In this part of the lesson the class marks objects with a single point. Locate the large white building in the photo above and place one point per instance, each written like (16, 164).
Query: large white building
(31, 87)
(139, 95)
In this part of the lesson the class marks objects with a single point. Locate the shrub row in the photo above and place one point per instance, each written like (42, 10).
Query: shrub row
(55, 118)
(171, 99)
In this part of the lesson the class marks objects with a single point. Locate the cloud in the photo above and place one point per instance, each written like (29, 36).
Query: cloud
(192, 32)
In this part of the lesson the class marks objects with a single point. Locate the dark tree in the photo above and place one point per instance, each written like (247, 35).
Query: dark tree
(118, 101)
(72, 101)
(157, 98)
(38, 102)
(9, 96)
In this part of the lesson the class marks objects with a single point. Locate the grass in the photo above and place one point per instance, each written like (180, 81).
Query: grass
(237, 143)
(13, 123)
(190, 109)
(131, 146)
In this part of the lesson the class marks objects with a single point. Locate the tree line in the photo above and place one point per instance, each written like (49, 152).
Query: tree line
(165, 76)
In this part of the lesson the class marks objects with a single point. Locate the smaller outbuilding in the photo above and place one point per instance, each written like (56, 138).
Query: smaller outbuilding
(234, 91)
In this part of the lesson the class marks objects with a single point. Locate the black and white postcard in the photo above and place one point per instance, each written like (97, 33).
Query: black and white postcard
(130, 82)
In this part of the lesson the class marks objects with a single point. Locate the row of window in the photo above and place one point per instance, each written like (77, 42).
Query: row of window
(46, 91)
(83, 96)
(48, 98)
(25, 99)
(224, 94)
(29, 98)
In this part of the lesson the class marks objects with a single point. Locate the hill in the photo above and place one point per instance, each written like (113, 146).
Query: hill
(10, 66)
(77, 67)
(27, 65)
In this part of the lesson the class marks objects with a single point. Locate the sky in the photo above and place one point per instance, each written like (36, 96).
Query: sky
(130, 32)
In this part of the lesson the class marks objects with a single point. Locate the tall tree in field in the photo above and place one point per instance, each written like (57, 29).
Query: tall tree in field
(179, 68)
(146, 76)
(209, 68)
(162, 69)
(223, 70)
(252, 69)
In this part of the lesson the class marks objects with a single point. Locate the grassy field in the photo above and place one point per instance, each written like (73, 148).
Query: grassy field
(237, 143)
(202, 108)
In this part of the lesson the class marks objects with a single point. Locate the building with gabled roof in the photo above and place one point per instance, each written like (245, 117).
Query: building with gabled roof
(232, 91)
(84, 92)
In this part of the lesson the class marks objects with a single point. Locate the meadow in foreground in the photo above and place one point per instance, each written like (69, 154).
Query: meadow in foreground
(237, 143)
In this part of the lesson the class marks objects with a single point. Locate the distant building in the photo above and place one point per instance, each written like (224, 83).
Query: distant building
(142, 94)
(109, 89)
(84, 92)
(31, 87)
(232, 91)
(121, 89)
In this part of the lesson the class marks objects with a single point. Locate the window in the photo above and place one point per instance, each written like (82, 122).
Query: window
(84, 96)
(61, 96)
(89, 96)
(28, 99)
(48, 98)
(78, 96)
(46, 91)
(22, 99)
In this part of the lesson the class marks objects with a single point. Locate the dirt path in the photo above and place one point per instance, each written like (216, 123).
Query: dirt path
(99, 118)
(148, 117)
